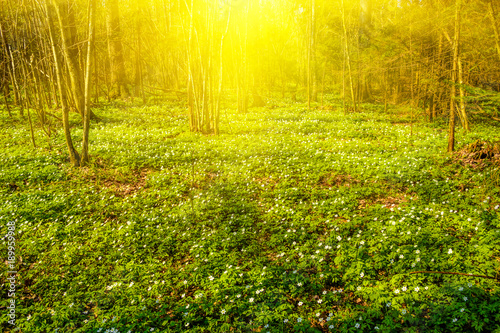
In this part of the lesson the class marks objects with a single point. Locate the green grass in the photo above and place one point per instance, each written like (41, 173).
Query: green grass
(289, 221)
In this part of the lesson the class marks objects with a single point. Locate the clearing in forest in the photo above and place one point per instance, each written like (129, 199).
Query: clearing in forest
(288, 221)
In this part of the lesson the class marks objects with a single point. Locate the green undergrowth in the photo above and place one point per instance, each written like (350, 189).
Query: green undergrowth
(289, 221)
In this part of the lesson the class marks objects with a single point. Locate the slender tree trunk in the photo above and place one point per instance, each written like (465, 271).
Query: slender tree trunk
(219, 91)
(493, 19)
(96, 76)
(88, 71)
(190, 84)
(430, 91)
(31, 128)
(314, 66)
(66, 20)
(309, 68)
(364, 93)
(243, 68)
(385, 91)
(411, 80)
(343, 78)
(463, 113)
(73, 154)
(323, 85)
(115, 49)
(454, 74)
(431, 108)
(6, 102)
(139, 85)
(11, 69)
(28, 105)
(346, 45)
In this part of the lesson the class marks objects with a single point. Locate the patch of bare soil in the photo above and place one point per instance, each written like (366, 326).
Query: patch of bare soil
(121, 184)
(331, 179)
(127, 188)
(389, 202)
(394, 201)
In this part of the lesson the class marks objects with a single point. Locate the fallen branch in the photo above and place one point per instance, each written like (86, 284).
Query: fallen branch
(455, 273)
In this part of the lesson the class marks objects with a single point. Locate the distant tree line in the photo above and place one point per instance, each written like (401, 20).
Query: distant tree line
(441, 57)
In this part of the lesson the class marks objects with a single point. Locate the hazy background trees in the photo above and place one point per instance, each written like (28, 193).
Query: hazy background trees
(439, 57)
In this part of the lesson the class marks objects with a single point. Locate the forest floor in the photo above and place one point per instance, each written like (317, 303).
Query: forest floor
(289, 221)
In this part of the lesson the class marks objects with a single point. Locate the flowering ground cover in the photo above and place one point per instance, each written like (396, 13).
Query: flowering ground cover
(289, 221)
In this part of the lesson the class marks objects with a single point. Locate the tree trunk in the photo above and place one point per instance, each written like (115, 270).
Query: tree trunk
(454, 75)
(67, 24)
(343, 79)
(243, 68)
(314, 65)
(11, 69)
(431, 108)
(190, 84)
(493, 19)
(88, 71)
(463, 113)
(5, 100)
(348, 58)
(138, 80)
(73, 154)
(115, 50)
(364, 42)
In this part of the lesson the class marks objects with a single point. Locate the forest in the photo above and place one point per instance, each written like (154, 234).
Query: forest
(249, 166)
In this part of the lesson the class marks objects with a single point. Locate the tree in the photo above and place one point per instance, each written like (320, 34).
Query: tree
(347, 55)
(312, 90)
(67, 27)
(492, 14)
(205, 42)
(115, 49)
(73, 154)
(64, 17)
(454, 73)
(220, 53)
(88, 71)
